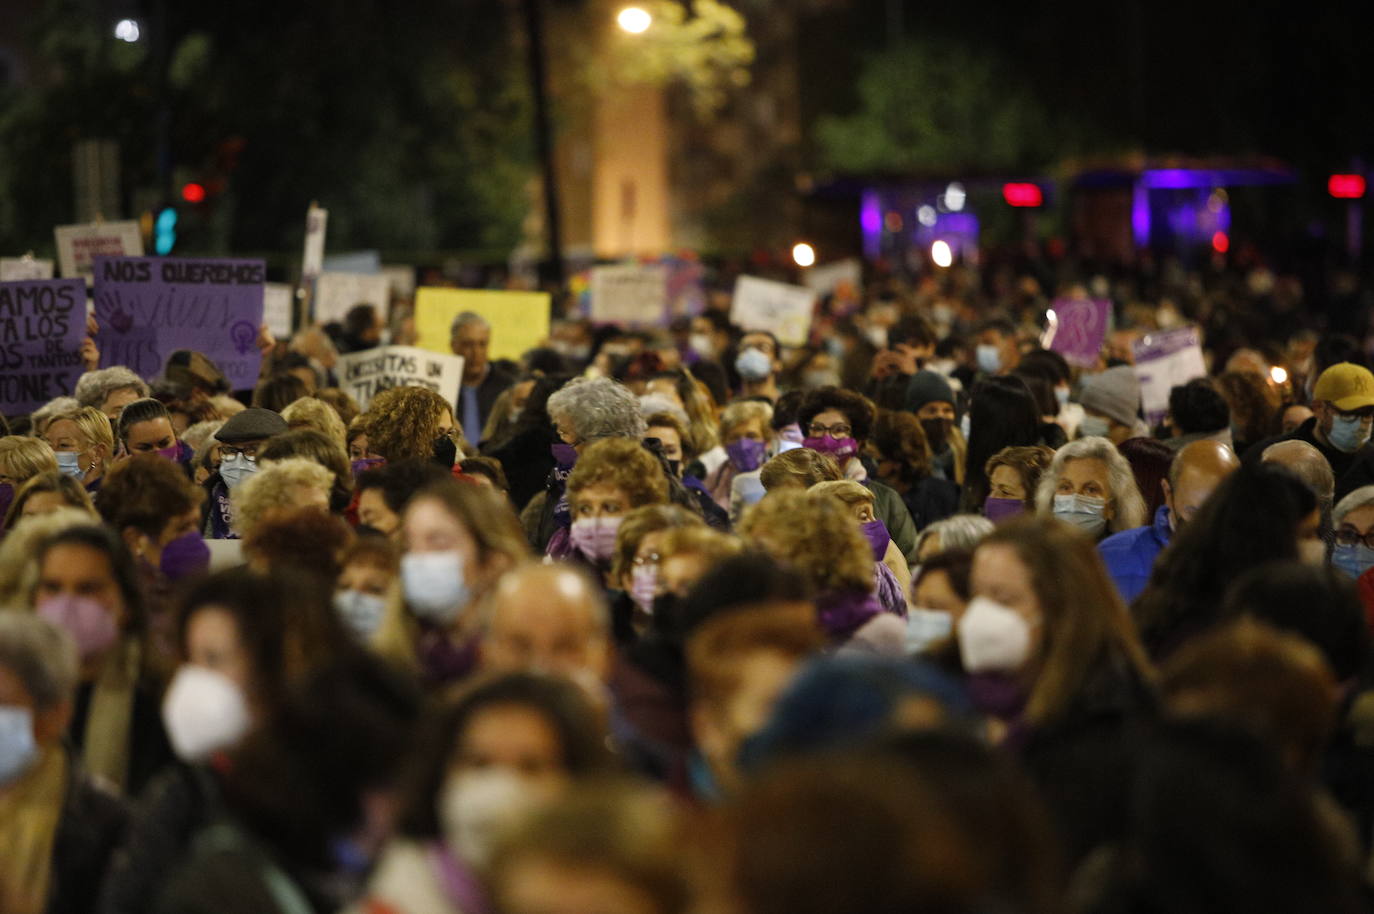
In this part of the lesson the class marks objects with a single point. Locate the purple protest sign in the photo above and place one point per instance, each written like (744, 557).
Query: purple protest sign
(42, 324)
(149, 307)
(1077, 329)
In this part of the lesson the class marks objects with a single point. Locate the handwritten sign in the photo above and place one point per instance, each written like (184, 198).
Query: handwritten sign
(278, 308)
(1077, 329)
(519, 320)
(1163, 361)
(783, 310)
(631, 295)
(17, 269)
(338, 293)
(366, 374)
(79, 245)
(149, 307)
(42, 324)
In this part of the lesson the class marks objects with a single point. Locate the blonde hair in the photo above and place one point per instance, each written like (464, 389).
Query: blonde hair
(742, 411)
(623, 463)
(700, 540)
(309, 412)
(816, 536)
(798, 468)
(276, 486)
(19, 551)
(23, 458)
(93, 425)
(847, 491)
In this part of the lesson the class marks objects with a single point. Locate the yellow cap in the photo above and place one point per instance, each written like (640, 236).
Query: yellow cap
(1346, 386)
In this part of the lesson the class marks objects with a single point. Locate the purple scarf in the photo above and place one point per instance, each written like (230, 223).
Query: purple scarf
(843, 612)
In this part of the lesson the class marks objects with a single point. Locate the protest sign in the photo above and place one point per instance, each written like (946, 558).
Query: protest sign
(278, 308)
(843, 275)
(337, 293)
(1163, 361)
(17, 269)
(519, 320)
(79, 245)
(783, 310)
(42, 324)
(312, 263)
(353, 262)
(365, 374)
(149, 307)
(633, 295)
(1077, 328)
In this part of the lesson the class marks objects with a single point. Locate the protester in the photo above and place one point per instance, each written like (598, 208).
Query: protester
(939, 596)
(384, 491)
(370, 572)
(404, 423)
(1002, 414)
(611, 478)
(45, 493)
(313, 413)
(1111, 403)
(549, 619)
(1343, 410)
(1197, 412)
(110, 390)
(744, 432)
(23, 458)
(1090, 485)
(902, 458)
(636, 564)
(959, 532)
(145, 427)
(240, 439)
(1354, 521)
(483, 382)
(83, 441)
(1013, 475)
(294, 482)
(893, 577)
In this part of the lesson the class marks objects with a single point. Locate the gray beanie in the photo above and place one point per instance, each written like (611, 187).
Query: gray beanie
(928, 387)
(1115, 393)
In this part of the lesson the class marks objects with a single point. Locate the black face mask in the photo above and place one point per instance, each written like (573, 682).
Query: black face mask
(445, 452)
(937, 432)
(676, 467)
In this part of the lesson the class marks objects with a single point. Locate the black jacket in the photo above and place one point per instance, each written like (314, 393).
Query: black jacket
(1351, 470)
(91, 827)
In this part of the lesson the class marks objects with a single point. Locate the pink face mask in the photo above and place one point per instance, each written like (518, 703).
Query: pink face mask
(91, 625)
(644, 586)
(594, 537)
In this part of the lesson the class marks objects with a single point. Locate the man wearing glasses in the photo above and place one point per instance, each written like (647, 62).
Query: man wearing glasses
(240, 440)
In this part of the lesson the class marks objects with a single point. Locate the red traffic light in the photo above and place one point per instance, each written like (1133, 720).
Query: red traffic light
(193, 193)
(1022, 194)
(1221, 243)
(1346, 187)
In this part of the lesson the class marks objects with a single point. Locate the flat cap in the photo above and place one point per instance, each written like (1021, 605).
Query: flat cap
(251, 425)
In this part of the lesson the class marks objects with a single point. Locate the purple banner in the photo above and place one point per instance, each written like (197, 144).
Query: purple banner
(42, 324)
(1078, 329)
(149, 307)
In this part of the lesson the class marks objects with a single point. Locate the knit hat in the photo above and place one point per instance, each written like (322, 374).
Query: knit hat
(252, 424)
(1115, 393)
(928, 387)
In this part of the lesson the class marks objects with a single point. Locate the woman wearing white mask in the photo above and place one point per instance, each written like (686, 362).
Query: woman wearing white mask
(1046, 642)
(502, 750)
(458, 538)
(1090, 485)
(83, 441)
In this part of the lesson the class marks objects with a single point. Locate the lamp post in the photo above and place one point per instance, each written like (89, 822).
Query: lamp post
(543, 139)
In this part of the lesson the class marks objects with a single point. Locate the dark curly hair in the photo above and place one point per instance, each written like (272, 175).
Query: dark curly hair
(856, 408)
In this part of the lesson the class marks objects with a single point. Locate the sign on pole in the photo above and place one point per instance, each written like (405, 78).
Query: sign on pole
(365, 374)
(42, 325)
(1163, 361)
(783, 310)
(79, 245)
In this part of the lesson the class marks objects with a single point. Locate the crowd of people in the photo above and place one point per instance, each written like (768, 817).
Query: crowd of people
(921, 617)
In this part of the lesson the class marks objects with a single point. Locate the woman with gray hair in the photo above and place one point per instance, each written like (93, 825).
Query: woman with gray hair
(57, 829)
(960, 531)
(110, 390)
(1354, 523)
(1090, 485)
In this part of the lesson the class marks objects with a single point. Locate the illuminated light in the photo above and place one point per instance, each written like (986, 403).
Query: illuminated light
(1216, 201)
(926, 215)
(955, 196)
(803, 254)
(193, 193)
(165, 231)
(1220, 243)
(1346, 187)
(1051, 316)
(1279, 374)
(1023, 194)
(894, 222)
(127, 30)
(940, 253)
(634, 20)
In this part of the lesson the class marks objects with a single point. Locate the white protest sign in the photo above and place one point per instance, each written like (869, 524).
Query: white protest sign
(366, 374)
(402, 280)
(278, 306)
(1163, 361)
(629, 294)
(353, 262)
(23, 269)
(336, 293)
(783, 310)
(316, 219)
(79, 245)
(826, 279)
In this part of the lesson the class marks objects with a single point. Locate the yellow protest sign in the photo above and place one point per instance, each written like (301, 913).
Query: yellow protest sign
(519, 320)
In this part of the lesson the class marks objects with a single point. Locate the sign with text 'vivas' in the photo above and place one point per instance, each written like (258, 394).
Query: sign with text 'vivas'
(149, 307)
(42, 324)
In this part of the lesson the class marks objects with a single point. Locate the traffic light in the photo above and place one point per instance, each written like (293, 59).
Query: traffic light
(1023, 194)
(1346, 187)
(165, 231)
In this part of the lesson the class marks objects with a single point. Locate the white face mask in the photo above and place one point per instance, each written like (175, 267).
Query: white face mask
(361, 612)
(1083, 511)
(993, 638)
(204, 711)
(234, 470)
(924, 627)
(701, 344)
(435, 585)
(476, 808)
(18, 751)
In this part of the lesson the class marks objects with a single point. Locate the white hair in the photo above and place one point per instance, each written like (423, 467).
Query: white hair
(651, 405)
(598, 408)
(94, 386)
(1360, 498)
(468, 318)
(959, 531)
(1125, 494)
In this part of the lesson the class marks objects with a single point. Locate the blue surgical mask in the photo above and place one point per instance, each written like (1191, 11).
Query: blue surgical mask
(435, 585)
(361, 612)
(1354, 560)
(989, 358)
(1094, 427)
(18, 751)
(1062, 395)
(234, 470)
(69, 463)
(1348, 433)
(1083, 511)
(753, 365)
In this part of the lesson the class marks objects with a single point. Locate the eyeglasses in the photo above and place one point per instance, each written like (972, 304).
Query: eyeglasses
(249, 451)
(641, 560)
(815, 430)
(1349, 536)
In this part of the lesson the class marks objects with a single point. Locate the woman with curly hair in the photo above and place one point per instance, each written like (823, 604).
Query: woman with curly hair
(1254, 404)
(322, 449)
(818, 539)
(409, 422)
(1013, 476)
(295, 482)
(902, 457)
(613, 477)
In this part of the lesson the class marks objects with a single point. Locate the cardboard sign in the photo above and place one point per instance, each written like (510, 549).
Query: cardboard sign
(366, 374)
(845, 276)
(18, 269)
(519, 320)
(312, 262)
(1078, 329)
(1163, 361)
(279, 309)
(632, 295)
(149, 307)
(79, 245)
(783, 310)
(337, 293)
(42, 324)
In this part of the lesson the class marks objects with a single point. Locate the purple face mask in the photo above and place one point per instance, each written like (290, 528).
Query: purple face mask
(363, 464)
(875, 531)
(565, 455)
(746, 454)
(999, 509)
(91, 625)
(840, 449)
(185, 556)
(169, 453)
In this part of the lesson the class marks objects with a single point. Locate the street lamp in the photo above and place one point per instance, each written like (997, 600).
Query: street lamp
(127, 30)
(803, 254)
(634, 20)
